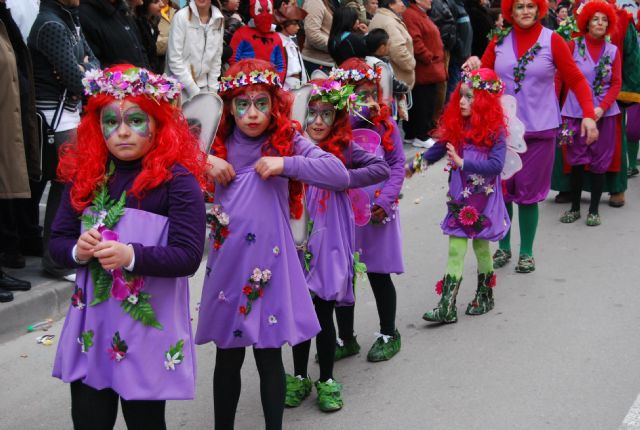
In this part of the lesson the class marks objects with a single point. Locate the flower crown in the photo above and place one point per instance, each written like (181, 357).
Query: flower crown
(477, 83)
(343, 75)
(338, 94)
(266, 77)
(132, 82)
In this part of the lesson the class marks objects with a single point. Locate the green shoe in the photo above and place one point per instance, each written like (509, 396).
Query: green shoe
(384, 348)
(593, 220)
(526, 264)
(446, 311)
(298, 389)
(329, 396)
(346, 349)
(570, 216)
(500, 258)
(483, 302)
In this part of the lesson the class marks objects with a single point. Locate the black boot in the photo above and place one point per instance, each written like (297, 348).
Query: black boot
(5, 296)
(10, 283)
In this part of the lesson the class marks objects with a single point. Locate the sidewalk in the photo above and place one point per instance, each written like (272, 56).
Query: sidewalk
(48, 298)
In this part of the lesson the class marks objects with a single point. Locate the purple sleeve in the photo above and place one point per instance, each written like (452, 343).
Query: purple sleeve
(367, 168)
(435, 153)
(314, 166)
(65, 232)
(187, 215)
(395, 159)
(493, 165)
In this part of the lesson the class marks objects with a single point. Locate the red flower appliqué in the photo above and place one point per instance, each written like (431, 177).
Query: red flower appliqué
(439, 286)
(468, 215)
(243, 310)
(492, 281)
(247, 290)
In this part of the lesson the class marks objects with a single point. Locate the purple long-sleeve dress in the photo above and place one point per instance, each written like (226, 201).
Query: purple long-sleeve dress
(255, 291)
(166, 229)
(475, 204)
(380, 244)
(331, 243)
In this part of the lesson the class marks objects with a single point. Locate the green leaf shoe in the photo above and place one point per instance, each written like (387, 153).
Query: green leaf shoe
(483, 302)
(526, 264)
(298, 389)
(384, 348)
(570, 216)
(345, 349)
(446, 311)
(500, 258)
(329, 395)
(593, 220)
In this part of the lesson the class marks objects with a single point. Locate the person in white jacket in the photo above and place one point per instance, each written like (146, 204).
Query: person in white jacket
(194, 55)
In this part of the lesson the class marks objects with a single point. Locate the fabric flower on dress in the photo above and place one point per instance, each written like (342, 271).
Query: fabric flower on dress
(488, 189)
(77, 299)
(468, 215)
(272, 320)
(276, 250)
(219, 224)
(255, 288)
(222, 297)
(119, 348)
(477, 179)
(251, 237)
(86, 341)
(520, 68)
(466, 192)
(174, 355)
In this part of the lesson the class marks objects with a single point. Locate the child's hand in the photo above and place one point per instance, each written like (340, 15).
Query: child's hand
(377, 213)
(113, 255)
(269, 166)
(453, 155)
(220, 170)
(86, 244)
(408, 171)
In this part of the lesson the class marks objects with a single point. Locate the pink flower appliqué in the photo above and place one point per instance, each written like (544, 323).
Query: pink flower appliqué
(107, 234)
(439, 286)
(468, 215)
(121, 289)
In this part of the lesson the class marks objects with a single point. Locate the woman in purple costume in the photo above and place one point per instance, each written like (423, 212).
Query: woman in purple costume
(379, 241)
(601, 65)
(328, 256)
(255, 292)
(132, 222)
(526, 56)
(471, 133)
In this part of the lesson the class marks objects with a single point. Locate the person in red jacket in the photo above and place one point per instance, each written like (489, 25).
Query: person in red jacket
(430, 70)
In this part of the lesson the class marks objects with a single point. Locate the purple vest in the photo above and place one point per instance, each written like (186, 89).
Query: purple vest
(589, 68)
(537, 103)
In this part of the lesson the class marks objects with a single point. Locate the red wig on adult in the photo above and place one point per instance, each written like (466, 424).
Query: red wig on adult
(485, 124)
(383, 118)
(84, 163)
(281, 130)
(590, 9)
(507, 6)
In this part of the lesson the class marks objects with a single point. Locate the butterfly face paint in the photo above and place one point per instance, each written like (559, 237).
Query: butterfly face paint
(320, 118)
(252, 112)
(127, 129)
(327, 115)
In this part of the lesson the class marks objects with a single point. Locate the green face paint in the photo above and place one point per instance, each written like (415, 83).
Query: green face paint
(262, 103)
(135, 118)
(109, 121)
(327, 115)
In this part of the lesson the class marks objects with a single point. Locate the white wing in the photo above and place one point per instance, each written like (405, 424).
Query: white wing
(203, 113)
(512, 164)
(515, 140)
(301, 103)
(318, 74)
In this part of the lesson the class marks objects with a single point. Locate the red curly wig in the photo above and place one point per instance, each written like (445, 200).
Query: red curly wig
(281, 130)
(383, 119)
(486, 122)
(506, 7)
(83, 163)
(590, 9)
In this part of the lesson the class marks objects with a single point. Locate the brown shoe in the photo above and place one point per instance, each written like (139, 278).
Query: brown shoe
(563, 197)
(616, 200)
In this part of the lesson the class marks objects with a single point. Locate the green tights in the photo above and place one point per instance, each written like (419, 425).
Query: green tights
(632, 150)
(457, 251)
(528, 222)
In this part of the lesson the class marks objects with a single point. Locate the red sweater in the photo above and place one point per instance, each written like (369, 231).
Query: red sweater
(427, 46)
(562, 58)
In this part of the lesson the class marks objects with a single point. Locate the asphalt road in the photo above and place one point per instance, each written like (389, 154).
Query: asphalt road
(560, 351)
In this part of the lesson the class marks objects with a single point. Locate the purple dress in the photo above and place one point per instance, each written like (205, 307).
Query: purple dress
(476, 208)
(380, 244)
(167, 230)
(255, 291)
(599, 154)
(331, 244)
(539, 111)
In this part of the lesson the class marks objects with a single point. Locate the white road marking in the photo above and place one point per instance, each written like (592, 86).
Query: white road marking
(632, 420)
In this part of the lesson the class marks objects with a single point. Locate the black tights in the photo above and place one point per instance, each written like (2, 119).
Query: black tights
(325, 343)
(385, 295)
(226, 386)
(93, 409)
(577, 180)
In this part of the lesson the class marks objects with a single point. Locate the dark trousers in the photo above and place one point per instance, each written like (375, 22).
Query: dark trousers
(422, 112)
(93, 409)
(19, 227)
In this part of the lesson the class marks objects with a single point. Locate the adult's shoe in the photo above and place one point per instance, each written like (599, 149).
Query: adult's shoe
(5, 296)
(563, 197)
(616, 200)
(417, 143)
(13, 260)
(13, 284)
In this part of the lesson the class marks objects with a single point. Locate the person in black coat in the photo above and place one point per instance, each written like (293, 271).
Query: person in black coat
(147, 17)
(481, 22)
(346, 37)
(112, 33)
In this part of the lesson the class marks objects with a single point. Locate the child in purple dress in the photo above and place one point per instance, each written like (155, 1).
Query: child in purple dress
(255, 292)
(472, 133)
(329, 255)
(132, 222)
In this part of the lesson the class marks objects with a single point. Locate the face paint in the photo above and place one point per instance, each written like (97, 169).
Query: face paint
(261, 102)
(135, 118)
(366, 94)
(326, 115)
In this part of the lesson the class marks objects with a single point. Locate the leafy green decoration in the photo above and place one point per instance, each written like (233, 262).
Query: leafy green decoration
(86, 340)
(177, 348)
(142, 311)
(115, 211)
(102, 282)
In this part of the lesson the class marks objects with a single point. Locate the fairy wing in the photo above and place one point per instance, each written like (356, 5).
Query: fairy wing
(203, 113)
(299, 227)
(369, 140)
(318, 74)
(515, 140)
(301, 103)
(361, 206)
(385, 79)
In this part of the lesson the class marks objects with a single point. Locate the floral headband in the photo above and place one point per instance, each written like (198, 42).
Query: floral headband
(340, 95)
(132, 82)
(355, 75)
(477, 83)
(240, 80)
